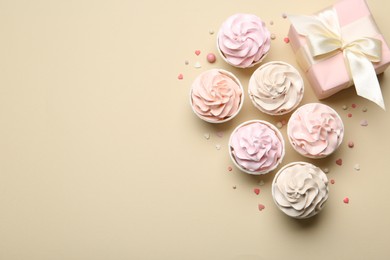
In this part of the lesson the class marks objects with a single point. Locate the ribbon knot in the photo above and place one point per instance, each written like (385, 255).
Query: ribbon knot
(323, 34)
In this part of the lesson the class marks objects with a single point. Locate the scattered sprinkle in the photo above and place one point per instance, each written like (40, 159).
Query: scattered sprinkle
(339, 162)
(186, 62)
(256, 190)
(351, 144)
(261, 207)
(364, 109)
(219, 134)
(284, 122)
(349, 115)
(197, 52)
(346, 200)
(211, 58)
(230, 168)
(356, 167)
(261, 183)
(218, 146)
(180, 76)
(286, 40)
(332, 181)
(271, 22)
(284, 15)
(279, 125)
(364, 122)
(326, 170)
(345, 107)
(234, 187)
(211, 31)
(273, 36)
(197, 65)
(353, 105)
(207, 136)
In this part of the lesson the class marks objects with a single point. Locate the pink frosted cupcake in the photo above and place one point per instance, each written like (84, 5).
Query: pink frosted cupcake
(216, 96)
(315, 130)
(243, 40)
(256, 147)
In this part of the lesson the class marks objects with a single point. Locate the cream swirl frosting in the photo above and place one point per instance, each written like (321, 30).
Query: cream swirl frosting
(315, 130)
(216, 95)
(300, 189)
(256, 147)
(276, 88)
(243, 40)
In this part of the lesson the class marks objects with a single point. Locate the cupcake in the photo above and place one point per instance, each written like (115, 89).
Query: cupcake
(300, 190)
(256, 147)
(315, 130)
(243, 40)
(216, 96)
(276, 88)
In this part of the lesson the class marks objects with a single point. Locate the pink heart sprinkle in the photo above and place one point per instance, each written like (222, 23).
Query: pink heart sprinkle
(339, 162)
(349, 115)
(353, 105)
(180, 77)
(286, 40)
(261, 207)
(230, 168)
(256, 190)
(351, 144)
(346, 200)
(197, 52)
(332, 181)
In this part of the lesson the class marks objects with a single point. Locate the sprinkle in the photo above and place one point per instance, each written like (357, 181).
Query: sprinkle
(234, 187)
(351, 144)
(261, 207)
(180, 76)
(286, 40)
(279, 125)
(271, 22)
(364, 122)
(218, 146)
(230, 168)
(284, 122)
(197, 52)
(346, 200)
(326, 170)
(261, 183)
(349, 115)
(256, 190)
(211, 58)
(353, 105)
(211, 31)
(332, 181)
(345, 107)
(364, 109)
(186, 62)
(284, 15)
(339, 162)
(207, 136)
(220, 134)
(356, 167)
(197, 65)
(273, 36)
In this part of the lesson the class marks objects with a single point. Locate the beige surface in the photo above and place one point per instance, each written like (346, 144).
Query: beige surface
(101, 156)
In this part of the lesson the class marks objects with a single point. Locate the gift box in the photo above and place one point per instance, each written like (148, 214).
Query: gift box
(339, 47)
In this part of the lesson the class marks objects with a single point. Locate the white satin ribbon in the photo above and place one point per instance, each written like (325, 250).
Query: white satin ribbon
(323, 34)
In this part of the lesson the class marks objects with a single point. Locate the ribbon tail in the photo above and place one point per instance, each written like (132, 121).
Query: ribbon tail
(364, 77)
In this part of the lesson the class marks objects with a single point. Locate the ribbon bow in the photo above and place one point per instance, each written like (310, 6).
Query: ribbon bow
(323, 34)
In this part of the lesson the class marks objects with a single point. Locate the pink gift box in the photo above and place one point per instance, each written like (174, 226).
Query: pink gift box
(331, 75)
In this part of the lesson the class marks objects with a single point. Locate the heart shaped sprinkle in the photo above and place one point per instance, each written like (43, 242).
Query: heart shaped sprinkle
(346, 200)
(197, 65)
(286, 40)
(230, 168)
(332, 181)
(356, 167)
(218, 146)
(349, 115)
(219, 134)
(256, 190)
(351, 144)
(180, 76)
(339, 162)
(207, 136)
(353, 105)
(261, 207)
(197, 52)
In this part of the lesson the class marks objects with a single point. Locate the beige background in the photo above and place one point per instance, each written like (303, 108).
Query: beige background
(101, 156)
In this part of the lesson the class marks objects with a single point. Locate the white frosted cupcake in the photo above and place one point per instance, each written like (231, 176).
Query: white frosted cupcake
(256, 147)
(243, 40)
(315, 130)
(300, 190)
(216, 96)
(276, 88)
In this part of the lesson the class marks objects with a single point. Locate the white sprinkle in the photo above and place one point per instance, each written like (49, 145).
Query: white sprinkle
(218, 146)
(273, 36)
(364, 123)
(271, 22)
(211, 31)
(364, 109)
(357, 167)
(279, 125)
(284, 15)
(197, 65)
(261, 183)
(186, 62)
(345, 107)
(207, 136)
(326, 170)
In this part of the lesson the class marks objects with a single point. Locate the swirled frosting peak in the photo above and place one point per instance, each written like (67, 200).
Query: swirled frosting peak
(300, 189)
(315, 130)
(243, 40)
(216, 95)
(256, 147)
(276, 88)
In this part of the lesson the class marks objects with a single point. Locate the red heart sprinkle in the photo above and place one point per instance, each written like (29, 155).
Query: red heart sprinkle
(180, 77)
(332, 181)
(339, 162)
(349, 115)
(197, 52)
(346, 200)
(286, 40)
(230, 168)
(256, 190)
(353, 105)
(261, 207)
